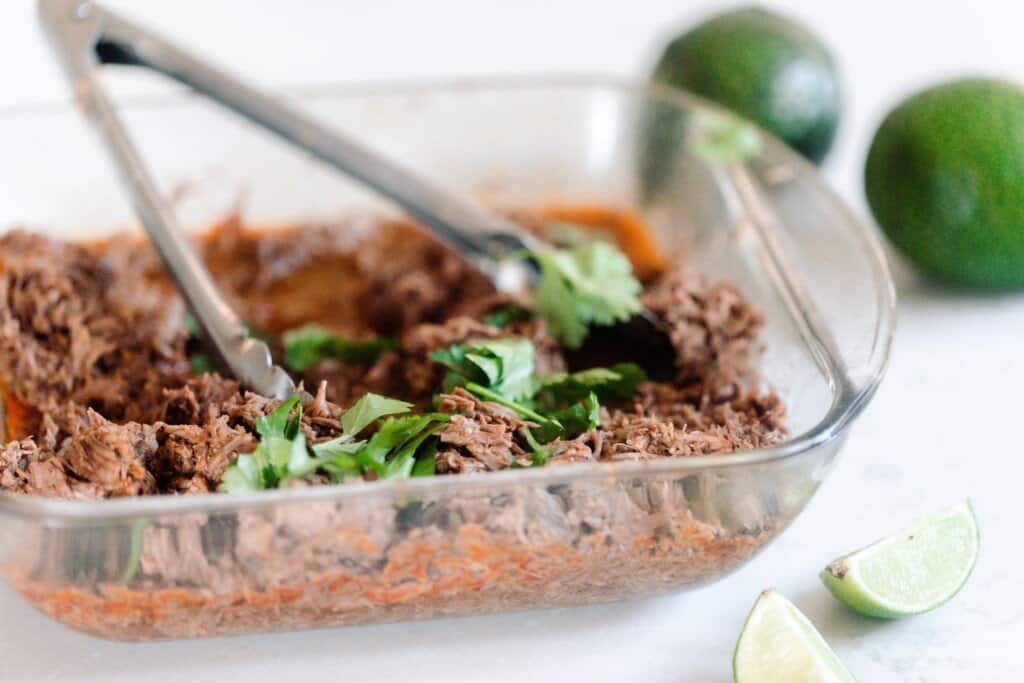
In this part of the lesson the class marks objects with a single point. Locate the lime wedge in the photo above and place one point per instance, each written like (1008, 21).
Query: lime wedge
(912, 572)
(779, 645)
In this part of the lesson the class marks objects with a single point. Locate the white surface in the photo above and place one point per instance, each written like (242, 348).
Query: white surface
(944, 425)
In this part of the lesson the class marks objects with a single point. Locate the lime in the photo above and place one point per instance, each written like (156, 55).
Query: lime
(912, 572)
(765, 67)
(945, 181)
(779, 645)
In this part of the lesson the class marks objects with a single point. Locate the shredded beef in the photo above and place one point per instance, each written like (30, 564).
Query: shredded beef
(712, 327)
(480, 436)
(115, 457)
(99, 399)
(68, 341)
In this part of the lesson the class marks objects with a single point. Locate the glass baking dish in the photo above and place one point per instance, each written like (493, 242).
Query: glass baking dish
(217, 564)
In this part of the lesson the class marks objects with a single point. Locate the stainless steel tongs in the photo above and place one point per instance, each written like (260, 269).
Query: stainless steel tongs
(85, 36)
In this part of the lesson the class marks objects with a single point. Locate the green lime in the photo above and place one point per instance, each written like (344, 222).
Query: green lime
(912, 572)
(765, 67)
(779, 645)
(945, 180)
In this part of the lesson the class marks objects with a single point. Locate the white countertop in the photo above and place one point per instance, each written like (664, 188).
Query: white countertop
(943, 426)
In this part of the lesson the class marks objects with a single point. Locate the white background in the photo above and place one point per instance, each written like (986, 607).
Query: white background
(946, 423)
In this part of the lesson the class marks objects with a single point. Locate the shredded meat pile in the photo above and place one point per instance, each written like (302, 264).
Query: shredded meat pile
(99, 399)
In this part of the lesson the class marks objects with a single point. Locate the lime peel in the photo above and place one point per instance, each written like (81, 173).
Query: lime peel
(780, 645)
(912, 572)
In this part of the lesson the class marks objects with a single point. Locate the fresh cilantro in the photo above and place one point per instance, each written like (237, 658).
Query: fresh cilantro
(392, 451)
(584, 285)
(306, 345)
(401, 446)
(202, 364)
(507, 315)
(192, 325)
(520, 409)
(617, 383)
(580, 417)
(368, 409)
(426, 462)
(558, 406)
(505, 366)
(282, 447)
(541, 453)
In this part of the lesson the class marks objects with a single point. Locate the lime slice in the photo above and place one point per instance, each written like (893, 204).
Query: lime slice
(912, 572)
(779, 645)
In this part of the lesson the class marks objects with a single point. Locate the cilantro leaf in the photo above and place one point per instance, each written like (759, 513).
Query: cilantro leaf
(507, 315)
(392, 451)
(202, 364)
(617, 383)
(401, 447)
(306, 345)
(580, 417)
(558, 406)
(584, 285)
(282, 446)
(505, 366)
(242, 475)
(426, 462)
(541, 453)
(282, 421)
(368, 409)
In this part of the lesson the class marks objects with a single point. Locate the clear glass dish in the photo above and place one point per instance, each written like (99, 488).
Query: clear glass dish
(186, 566)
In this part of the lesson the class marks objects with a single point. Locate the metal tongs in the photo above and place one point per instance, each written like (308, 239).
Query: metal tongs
(85, 36)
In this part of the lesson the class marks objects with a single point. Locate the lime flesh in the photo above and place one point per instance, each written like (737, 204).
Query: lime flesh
(779, 645)
(912, 572)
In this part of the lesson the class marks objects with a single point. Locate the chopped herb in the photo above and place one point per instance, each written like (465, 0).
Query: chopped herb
(580, 417)
(306, 345)
(519, 409)
(192, 325)
(282, 446)
(426, 463)
(202, 364)
(617, 383)
(558, 406)
(505, 366)
(588, 284)
(131, 566)
(368, 409)
(399, 448)
(507, 315)
(541, 453)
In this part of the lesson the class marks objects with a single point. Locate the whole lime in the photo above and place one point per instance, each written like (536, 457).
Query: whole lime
(763, 66)
(945, 180)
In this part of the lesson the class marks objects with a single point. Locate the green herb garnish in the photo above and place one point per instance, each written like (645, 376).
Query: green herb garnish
(306, 345)
(617, 383)
(281, 444)
(505, 366)
(579, 417)
(584, 285)
(401, 447)
(558, 406)
(396, 447)
(202, 364)
(367, 410)
(507, 315)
